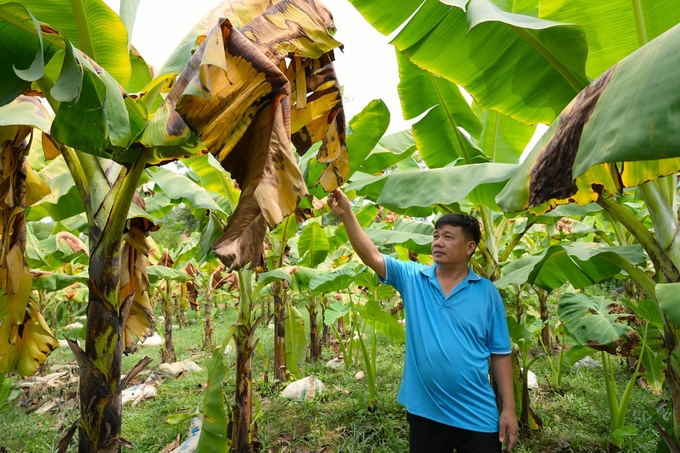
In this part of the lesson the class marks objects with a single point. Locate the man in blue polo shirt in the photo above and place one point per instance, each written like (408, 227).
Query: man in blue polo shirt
(455, 321)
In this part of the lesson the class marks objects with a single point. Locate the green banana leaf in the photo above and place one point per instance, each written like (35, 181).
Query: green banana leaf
(214, 430)
(106, 39)
(207, 172)
(548, 60)
(612, 39)
(179, 187)
(365, 213)
(544, 60)
(24, 51)
(337, 280)
(523, 332)
(313, 246)
(64, 201)
(373, 314)
(296, 341)
(437, 134)
(366, 128)
(417, 193)
(589, 321)
(503, 139)
(158, 273)
(272, 276)
(301, 278)
(390, 150)
(414, 235)
(57, 281)
(579, 263)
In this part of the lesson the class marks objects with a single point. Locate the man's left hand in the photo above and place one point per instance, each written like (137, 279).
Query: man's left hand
(508, 429)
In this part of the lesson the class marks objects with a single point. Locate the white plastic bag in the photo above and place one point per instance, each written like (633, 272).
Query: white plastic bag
(191, 442)
(303, 389)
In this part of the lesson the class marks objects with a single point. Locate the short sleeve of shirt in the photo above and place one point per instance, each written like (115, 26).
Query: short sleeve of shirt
(498, 339)
(397, 272)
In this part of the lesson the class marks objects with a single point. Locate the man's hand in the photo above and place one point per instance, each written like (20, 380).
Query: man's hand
(508, 428)
(339, 203)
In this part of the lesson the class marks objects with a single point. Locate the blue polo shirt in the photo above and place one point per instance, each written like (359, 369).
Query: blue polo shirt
(448, 343)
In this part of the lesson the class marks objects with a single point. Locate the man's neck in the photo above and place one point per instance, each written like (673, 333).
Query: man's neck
(452, 271)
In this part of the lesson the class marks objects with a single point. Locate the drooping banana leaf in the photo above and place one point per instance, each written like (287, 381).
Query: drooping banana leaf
(92, 27)
(25, 339)
(251, 138)
(417, 192)
(414, 235)
(138, 318)
(579, 263)
(627, 109)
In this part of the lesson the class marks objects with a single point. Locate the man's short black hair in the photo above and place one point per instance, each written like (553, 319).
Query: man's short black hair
(467, 223)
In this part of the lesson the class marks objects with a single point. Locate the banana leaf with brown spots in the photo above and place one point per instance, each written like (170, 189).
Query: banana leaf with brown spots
(134, 281)
(234, 95)
(25, 338)
(620, 131)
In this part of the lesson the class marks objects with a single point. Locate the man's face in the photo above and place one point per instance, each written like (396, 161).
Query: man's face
(451, 246)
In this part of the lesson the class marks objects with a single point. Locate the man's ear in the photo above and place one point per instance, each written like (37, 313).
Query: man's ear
(471, 246)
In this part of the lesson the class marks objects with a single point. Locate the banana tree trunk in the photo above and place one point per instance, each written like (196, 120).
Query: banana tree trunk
(168, 351)
(279, 334)
(181, 305)
(546, 335)
(242, 431)
(664, 251)
(326, 332)
(207, 341)
(106, 204)
(314, 341)
(241, 437)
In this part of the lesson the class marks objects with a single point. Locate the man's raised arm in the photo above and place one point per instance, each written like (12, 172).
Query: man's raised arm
(367, 251)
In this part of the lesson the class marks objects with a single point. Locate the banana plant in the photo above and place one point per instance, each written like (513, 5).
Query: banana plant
(595, 176)
(59, 264)
(300, 282)
(215, 435)
(25, 338)
(594, 322)
(77, 55)
(522, 334)
(362, 314)
(372, 314)
(518, 44)
(276, 256)
(164, 278)
(340, 279)
(208, 280)
(244, 337)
